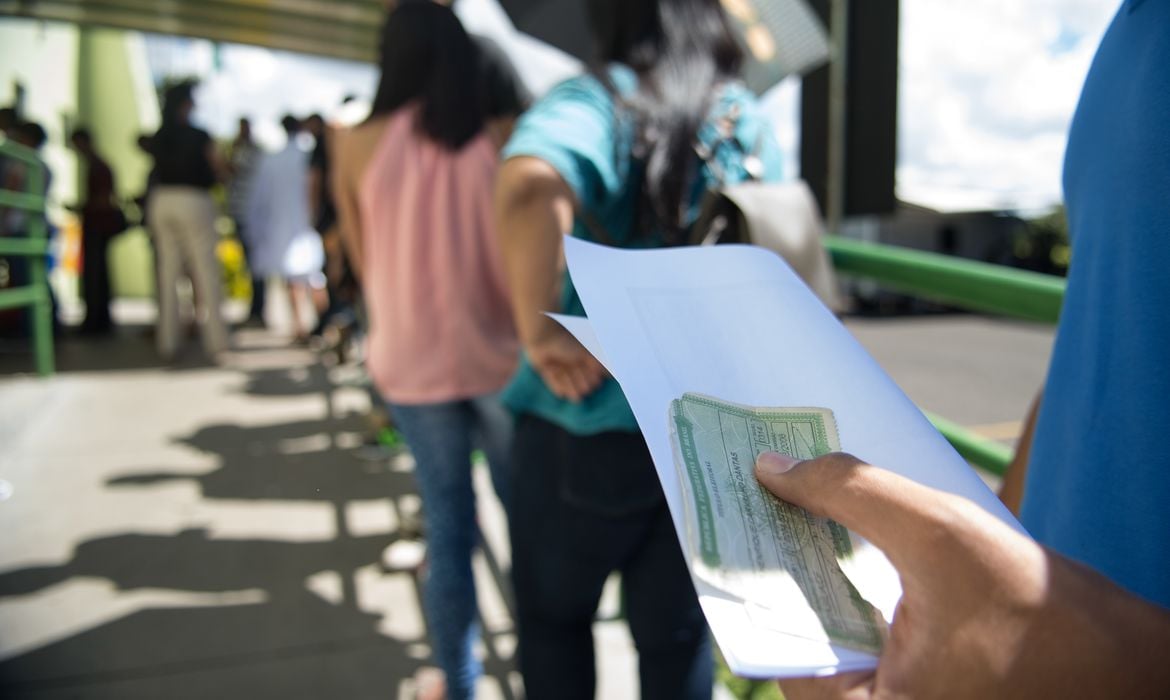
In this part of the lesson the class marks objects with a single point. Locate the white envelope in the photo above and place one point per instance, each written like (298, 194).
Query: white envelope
(735, 322)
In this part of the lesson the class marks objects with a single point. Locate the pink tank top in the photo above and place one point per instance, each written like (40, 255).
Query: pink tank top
(440, 323)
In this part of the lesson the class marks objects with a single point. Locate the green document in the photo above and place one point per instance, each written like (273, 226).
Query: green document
(780, 560)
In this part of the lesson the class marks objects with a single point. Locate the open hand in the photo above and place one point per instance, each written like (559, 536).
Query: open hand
(567, 368)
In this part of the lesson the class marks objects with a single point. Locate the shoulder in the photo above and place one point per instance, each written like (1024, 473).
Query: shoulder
(575, 109)
(583, 90)
(352, 147)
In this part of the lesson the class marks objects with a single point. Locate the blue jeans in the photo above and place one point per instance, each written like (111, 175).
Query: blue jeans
(583, 507)
(442, 436)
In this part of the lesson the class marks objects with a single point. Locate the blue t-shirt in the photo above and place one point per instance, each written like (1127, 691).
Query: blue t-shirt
(1098, 487)
(574, 129)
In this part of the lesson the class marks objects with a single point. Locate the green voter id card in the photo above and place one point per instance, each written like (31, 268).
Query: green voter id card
(749, 544)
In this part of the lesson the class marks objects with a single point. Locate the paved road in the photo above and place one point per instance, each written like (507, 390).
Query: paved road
(979, 372)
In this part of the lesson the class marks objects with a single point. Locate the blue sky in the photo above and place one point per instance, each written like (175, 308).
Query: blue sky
(987, 88)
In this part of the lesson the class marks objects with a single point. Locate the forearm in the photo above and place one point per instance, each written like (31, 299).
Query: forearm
(532, 212)
(1011, 492)
(1102, 640)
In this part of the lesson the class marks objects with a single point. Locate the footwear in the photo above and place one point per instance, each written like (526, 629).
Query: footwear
(430, 684)
(404, 555)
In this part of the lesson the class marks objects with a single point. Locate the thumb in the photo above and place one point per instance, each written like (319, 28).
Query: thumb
(889, 510)
(819, 485)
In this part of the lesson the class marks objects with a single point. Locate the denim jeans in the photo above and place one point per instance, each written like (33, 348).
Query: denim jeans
(583, 507)
(442, 436)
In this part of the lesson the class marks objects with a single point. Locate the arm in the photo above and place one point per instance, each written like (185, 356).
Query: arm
(348, 218)
(1011, 492)
(534, 207)
(985, 611)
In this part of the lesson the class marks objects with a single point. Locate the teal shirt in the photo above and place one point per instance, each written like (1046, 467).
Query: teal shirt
(574, 129)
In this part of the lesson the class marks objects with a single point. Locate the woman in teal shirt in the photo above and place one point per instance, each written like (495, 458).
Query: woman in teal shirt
(610, 156)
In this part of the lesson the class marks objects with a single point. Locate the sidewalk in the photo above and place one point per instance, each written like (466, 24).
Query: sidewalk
(200, 531)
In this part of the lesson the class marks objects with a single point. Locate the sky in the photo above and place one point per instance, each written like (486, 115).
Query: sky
(987, 88)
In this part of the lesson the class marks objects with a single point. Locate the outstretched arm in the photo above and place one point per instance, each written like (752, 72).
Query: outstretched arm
(534, 208)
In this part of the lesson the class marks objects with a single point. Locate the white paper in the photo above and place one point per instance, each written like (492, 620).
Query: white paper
(735, 322)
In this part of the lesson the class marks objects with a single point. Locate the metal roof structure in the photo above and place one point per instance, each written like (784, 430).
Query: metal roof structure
(346, 29)
(783, 36)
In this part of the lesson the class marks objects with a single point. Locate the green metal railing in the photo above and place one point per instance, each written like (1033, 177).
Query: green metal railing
(959, 282)
(34, 245)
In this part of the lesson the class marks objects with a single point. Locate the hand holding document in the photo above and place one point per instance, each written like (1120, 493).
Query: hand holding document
(744, 541)
(734, 322)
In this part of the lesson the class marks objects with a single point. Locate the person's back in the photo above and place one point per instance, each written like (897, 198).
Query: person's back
(440, 320)
(276, 211)
(413, 189)
(180, 156)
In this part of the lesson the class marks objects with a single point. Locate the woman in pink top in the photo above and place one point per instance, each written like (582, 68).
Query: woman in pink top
(414, 188)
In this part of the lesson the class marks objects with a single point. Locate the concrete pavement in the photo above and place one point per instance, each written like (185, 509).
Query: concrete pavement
(199, 531)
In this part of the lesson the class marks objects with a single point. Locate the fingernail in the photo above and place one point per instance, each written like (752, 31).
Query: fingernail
(775, 463)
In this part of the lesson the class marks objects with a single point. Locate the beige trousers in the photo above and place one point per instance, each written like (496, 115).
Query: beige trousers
(182, 221)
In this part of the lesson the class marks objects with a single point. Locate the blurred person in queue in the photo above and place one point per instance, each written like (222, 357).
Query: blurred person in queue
(243, 156)
(181, 217)
(610, 156)
(338, 285)
(414, 182)
(101, 220)
(280, 236)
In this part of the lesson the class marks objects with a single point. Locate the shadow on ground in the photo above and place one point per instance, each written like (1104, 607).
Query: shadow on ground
(268, 635)
(127, 347)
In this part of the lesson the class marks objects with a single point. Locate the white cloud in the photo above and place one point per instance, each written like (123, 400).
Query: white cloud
(987, 88)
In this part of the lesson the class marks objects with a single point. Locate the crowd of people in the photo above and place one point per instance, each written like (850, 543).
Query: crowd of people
(279, 203)
(283, 214)
(448, 205)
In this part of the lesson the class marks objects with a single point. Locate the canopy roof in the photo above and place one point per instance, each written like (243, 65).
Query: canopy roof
(345, 29)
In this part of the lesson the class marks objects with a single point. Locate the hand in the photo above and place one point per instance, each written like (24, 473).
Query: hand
(985, 611)
(566, 367)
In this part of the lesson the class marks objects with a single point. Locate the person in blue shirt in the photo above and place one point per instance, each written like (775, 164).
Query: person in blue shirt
(610, 156)
(1098, 478)
(1084, 610)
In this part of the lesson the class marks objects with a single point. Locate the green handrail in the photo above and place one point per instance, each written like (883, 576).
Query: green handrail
(987, 454)
(968, 284)
(35, 247)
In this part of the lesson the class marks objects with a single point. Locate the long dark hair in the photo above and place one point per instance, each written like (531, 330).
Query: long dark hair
(427, 56)
(681, 50)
